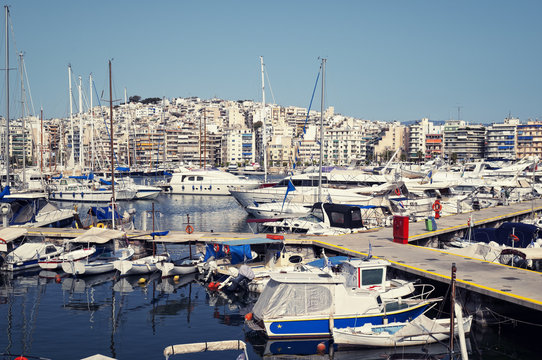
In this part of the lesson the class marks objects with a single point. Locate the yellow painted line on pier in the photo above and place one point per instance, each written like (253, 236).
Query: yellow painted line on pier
(441, 275)
(439, 231)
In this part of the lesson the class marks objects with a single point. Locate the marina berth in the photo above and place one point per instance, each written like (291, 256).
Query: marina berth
(208, 182)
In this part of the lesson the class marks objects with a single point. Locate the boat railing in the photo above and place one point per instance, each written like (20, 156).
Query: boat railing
(421, 292)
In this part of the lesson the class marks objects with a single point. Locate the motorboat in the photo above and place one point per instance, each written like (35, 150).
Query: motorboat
(140, 266)
(67, 256)
(77, 188)
(323, 219)
(109, 248)
(208, 182)
(310, 304)
(28, 255)
(101, 264)
(32, 209)
(179, 267)
(419, 331)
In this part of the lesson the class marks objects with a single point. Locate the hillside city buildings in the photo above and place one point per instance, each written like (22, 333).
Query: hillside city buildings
(196, 132)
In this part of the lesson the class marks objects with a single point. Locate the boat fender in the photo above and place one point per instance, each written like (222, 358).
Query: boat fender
(227, 249)
(73, 194)
(216, 247)
(397, 192)
(248, 316)
(82, 194)
(57, 278)
(189, 229)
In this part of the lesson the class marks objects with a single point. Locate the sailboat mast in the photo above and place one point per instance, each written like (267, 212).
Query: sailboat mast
(41, 140)
(204, 139)
(127, 128)
(72, 153)
(321, 131)
(23, 123)
(164, 157)
(264, 137)
(91, 126)
(6, 155)
(111, 146)
(81, 149)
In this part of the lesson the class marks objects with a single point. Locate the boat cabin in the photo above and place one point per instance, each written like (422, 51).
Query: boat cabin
(340, 216)
(365, 274)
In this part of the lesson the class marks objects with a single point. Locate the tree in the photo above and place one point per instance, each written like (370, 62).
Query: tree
(135, 98)
(154, 100)
(453, 158)
(257, 125)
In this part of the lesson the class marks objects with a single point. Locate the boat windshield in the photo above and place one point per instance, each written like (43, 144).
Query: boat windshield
(315, 216)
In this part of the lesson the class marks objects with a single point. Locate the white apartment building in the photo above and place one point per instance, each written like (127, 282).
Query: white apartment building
(238, 147)
(416, 143)
(501, 139)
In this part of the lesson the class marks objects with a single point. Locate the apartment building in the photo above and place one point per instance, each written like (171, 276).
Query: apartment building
(462, 141)
(501, 139)
(529, 139)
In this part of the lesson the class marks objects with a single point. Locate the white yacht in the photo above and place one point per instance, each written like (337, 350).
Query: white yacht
(74, 189)
(208, 182)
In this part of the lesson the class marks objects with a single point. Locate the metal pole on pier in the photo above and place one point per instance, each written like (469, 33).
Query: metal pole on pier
(452, 305)
(111, 146)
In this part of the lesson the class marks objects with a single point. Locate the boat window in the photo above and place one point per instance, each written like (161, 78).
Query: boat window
(371, 277)
(50, 249)
(200, 178)
(337, 218)
(318, 214)
(191, 178)
(356, 215)
(295, 259)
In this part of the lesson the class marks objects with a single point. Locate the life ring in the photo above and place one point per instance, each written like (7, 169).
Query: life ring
(514, 237)
(397, 192)
(100, 225)
(189, 229)
(437, 206)
(216, 247)
(227, 249)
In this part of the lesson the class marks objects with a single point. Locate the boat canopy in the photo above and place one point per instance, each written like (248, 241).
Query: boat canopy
(282, 299)
(525, 233)
(204, 346)
(239, 249)
(251, 241)
(97, 235)
(341, 216)
(9, 234)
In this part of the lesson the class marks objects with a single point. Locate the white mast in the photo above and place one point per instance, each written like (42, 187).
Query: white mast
(321, 131)
(22, 120)
(91, 126)
(127, 127)
(264, 137)
(81, 149)
(72, 155)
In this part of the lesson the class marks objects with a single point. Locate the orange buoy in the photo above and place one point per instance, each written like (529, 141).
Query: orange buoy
(248, 316)
(20, 358)
(58, 279)
(211, 285)
(321, 348)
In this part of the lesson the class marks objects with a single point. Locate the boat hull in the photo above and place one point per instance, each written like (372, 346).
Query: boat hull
(320, 326)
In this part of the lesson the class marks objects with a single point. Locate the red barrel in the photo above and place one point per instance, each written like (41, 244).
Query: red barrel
(400, 229)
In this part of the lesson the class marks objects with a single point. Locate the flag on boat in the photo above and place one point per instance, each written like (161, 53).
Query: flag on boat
(288, 189)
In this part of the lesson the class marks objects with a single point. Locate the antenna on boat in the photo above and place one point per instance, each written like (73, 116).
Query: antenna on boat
(370, 254)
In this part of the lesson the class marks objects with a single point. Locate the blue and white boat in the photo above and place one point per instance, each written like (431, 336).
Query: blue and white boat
(311, 304)
(28, 255)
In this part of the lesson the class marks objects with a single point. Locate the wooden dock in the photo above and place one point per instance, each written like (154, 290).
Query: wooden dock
(505, 283)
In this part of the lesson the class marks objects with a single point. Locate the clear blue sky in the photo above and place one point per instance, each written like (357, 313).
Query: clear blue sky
(387, 60)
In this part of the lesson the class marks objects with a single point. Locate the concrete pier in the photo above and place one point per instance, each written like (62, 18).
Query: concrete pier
(504, 283)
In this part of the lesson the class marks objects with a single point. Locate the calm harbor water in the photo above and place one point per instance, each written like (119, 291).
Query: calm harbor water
(123, 319)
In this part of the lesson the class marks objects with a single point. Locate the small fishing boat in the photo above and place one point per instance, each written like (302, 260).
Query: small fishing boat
(28, 255)
(306, 304)
(140, 266)
(422, 330)
(101, 264)
(68, 256)
(179, 267)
